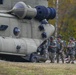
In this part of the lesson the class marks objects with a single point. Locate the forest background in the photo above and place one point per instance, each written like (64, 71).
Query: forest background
(66, 17)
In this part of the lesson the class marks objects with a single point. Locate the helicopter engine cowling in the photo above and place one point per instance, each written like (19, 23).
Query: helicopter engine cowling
(22, 11)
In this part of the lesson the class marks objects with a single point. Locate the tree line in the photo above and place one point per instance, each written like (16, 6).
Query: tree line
(66, 17)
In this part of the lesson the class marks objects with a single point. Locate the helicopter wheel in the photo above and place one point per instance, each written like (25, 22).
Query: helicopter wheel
(33, 58)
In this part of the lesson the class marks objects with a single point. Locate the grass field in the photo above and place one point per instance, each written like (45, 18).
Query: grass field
(13, 68)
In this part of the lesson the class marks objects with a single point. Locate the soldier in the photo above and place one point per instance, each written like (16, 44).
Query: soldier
(52, 49)
(43, 51)
(60, 49)
(71, 51)
(75, 47)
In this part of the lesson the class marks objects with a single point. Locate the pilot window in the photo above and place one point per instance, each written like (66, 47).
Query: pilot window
(1, 1)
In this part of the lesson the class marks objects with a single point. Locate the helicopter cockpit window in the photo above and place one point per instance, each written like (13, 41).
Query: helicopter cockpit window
(1, 1)
(3, 27)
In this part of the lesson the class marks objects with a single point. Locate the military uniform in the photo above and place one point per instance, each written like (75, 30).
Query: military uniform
(71, 51)
(43, 50)
(60, 50)
(75, 49)
(52, 50)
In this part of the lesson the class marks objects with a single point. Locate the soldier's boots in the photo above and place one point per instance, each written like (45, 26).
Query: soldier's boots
(68, 62)
(72, 62)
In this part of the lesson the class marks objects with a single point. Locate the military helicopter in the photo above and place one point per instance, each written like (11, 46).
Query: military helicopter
(24, 26)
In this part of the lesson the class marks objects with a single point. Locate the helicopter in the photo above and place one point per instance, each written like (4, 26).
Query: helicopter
(24, 26)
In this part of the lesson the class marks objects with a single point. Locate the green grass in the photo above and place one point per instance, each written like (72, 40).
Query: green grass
(12, 68)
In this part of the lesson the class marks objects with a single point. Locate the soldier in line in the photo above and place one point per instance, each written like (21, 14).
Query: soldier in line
(60, 49)
(43, 51)
(52, 49)
(71, 51)
(75, 47)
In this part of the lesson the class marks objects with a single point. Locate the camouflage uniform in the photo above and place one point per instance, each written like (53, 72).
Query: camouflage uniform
(71, 51)
(52, 50)
(75, 49)
(43, 50)
(60, 50)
